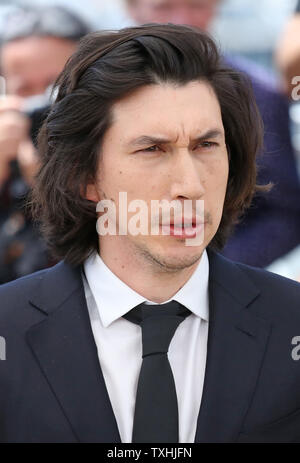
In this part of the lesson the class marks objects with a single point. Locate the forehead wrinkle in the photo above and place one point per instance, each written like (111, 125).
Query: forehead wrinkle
(156, 137)
(184, 134)
(184, 139)
(179, 135)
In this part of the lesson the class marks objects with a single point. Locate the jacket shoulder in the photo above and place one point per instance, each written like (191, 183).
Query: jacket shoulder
(271, 279)
(270, 295)
(16, 295)
(279, 294)
(22, 286)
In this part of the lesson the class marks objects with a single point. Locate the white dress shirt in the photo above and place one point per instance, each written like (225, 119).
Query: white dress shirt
(119, 343)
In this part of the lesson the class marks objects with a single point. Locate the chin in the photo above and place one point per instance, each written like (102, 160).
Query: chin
(177, 263)
(174, 259)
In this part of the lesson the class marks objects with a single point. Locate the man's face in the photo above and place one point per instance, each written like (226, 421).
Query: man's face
(31, 64)
(197, 13)
(185, 165)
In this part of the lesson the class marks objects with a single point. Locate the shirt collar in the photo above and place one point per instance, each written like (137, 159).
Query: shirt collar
(114, 298)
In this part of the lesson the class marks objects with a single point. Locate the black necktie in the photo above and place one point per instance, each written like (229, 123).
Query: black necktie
(156, 408)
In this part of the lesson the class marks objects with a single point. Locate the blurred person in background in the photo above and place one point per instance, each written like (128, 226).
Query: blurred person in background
(287, 58)
(274, 219)
(35, 45)
(198, 13)
(287, 54)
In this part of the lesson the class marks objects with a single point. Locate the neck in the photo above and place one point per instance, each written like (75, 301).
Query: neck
(147, 278)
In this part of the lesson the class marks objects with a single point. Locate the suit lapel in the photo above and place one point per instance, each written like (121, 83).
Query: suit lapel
(237, 341)
(64, 347)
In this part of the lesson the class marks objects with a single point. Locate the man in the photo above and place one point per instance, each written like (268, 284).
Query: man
(139, 337)
(273, 218)
(35, 45)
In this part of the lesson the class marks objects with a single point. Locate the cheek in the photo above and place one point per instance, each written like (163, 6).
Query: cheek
(217, 174)
(119, 177)
(215, 187)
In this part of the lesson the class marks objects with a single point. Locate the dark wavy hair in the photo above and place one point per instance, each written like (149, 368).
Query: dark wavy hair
(106, 67)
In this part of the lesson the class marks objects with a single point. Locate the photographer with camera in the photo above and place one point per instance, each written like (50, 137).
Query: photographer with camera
(35, 45)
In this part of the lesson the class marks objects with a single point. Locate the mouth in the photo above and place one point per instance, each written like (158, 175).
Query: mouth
(184, 228)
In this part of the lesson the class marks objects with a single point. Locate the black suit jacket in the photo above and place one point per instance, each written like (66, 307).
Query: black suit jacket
(51, 384)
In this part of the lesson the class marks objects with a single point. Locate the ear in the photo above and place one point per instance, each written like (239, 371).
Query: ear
(90, 193)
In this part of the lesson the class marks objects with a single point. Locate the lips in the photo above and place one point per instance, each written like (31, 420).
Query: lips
(183, 229)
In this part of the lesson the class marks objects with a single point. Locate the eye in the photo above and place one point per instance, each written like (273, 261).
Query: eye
(151, 149)
(207, 144)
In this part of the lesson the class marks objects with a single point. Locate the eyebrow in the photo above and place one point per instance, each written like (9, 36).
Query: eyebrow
(150, 140)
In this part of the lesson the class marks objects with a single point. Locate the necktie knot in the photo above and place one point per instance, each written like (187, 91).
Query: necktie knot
(158, 323)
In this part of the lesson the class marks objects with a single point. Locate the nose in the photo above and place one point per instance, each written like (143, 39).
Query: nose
(186, 177)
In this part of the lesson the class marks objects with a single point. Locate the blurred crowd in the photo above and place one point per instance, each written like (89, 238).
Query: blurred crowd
(37, 40)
